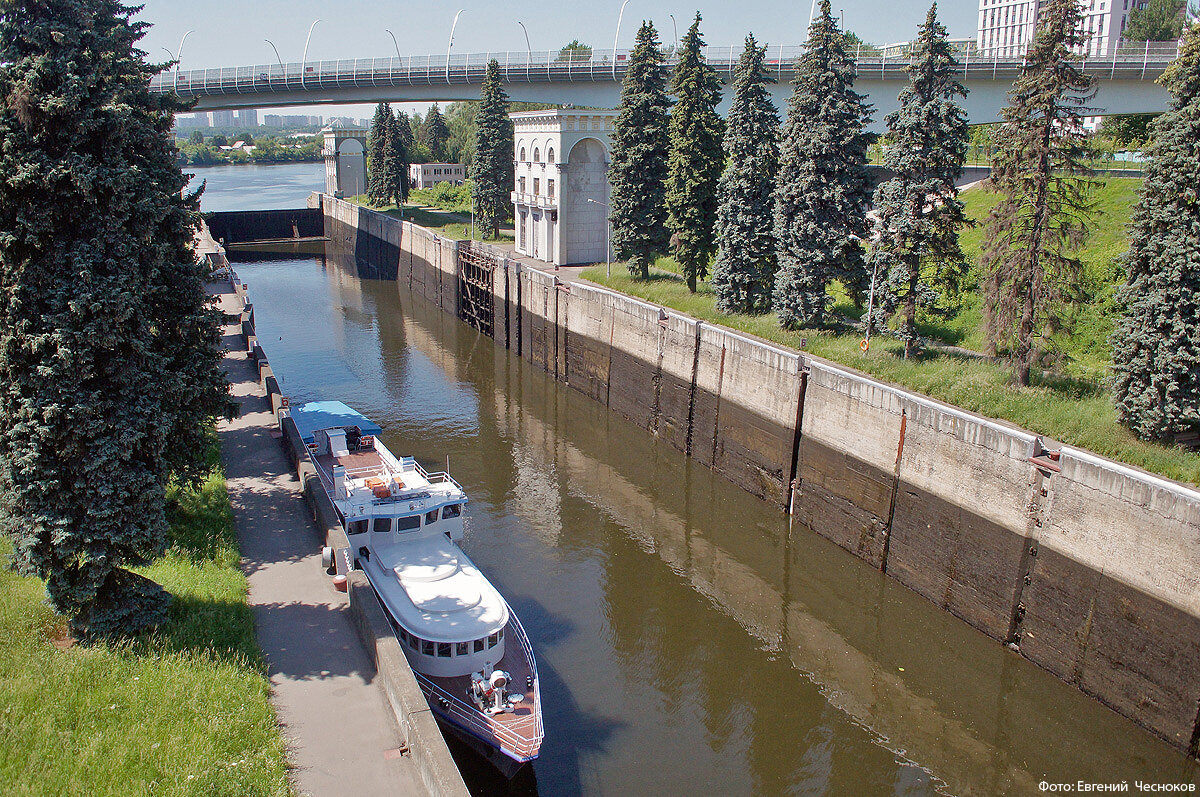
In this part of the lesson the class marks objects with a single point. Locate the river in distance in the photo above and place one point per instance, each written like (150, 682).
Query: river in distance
(690, 640)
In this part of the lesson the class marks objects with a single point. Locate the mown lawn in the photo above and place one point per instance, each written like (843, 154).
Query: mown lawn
(444, 222)
(1074, 411)
(184, 711)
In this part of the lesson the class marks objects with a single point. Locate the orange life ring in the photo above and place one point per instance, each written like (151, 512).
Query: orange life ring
(864, 344)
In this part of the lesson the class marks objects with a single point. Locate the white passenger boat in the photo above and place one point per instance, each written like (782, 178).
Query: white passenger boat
(465, 645)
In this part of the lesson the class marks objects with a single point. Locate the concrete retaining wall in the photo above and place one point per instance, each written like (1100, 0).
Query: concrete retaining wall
(418, 728)
(1088, 568)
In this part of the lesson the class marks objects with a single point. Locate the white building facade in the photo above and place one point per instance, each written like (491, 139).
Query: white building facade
(1006, 27)
(561, 193)
(427, 175)
(345, 160)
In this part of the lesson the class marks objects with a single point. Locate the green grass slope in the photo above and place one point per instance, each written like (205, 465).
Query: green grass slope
(185, 711)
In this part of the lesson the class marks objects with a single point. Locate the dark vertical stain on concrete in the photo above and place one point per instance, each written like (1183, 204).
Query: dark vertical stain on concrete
(657, 380)
(1194, 746)
(1033, 508)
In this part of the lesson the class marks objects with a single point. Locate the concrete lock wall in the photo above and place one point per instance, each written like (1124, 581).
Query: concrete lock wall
(1091, 571)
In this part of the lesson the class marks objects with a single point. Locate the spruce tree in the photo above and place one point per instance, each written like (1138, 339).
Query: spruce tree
(744, 270)
(695, 160)
(376, 154)
(108, 344)
(915, 254)
(1156, 346)
(394, 180)
(492, 168)
(435, 134)
(1029, 274)
(404, 126)
(638, 172)
(824, 186)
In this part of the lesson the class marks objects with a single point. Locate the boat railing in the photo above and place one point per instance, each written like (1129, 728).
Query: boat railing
(469, 716)
(537, 687)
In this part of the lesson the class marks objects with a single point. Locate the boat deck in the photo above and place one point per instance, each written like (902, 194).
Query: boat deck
(518, 733)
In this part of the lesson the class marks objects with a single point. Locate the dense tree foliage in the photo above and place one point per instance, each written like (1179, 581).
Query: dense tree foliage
(435, 135)
(695, 159)
(1159, 21)
(1156, 347)
(377, 142)
(574, 51)
(1127, 129)
(109, 346)
(638, 172)
(915, 254)
(1029, 273)
(824, 186)
(744, 270)
(492, 169)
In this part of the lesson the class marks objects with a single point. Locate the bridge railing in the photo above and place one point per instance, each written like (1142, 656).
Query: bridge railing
(1136, 62)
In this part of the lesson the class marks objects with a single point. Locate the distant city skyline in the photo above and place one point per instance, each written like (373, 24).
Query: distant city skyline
(228, 33)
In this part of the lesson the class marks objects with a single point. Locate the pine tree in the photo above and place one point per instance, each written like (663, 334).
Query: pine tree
(695, 160)
(1028, 272)
(638, 171)
(1156, 346)
(824, 186)
(394, 179)
(492, 168)
(744, 270)
(108, 344)
(376, 153)
(435, 134)
(916, 251)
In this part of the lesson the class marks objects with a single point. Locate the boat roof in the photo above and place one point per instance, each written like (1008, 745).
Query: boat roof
(436, 591)
(317, 415)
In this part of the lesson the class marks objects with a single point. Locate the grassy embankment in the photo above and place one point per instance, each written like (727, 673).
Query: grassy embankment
(1074, 408)
(451, 224)
(184, 711)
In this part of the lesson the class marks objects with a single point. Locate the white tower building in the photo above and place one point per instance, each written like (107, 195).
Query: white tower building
(345, 160)
(1006, 27)
(561, 194)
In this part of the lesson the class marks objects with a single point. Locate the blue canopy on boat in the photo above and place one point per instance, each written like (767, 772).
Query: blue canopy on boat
(328, 415)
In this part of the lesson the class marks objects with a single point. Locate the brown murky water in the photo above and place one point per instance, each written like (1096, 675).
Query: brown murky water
(689, 639)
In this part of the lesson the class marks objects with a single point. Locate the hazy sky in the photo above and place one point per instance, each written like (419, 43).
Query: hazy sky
(229, 33)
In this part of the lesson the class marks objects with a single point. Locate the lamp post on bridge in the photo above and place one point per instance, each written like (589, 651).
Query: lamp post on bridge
(276, 49)
(449, 46)
(304, 60)
(616, 36)
(528, 50)
(178, 57)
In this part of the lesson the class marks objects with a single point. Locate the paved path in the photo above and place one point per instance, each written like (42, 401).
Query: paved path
(341, 732)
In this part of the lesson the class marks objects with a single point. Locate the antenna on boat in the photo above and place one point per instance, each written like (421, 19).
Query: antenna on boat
(447, 464)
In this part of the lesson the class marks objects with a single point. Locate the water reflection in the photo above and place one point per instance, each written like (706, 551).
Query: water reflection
(689, 638)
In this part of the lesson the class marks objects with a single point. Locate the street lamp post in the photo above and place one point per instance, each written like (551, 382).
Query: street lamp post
(607, 238)
(449, 46)
(674, 28)
(528, 50)
(616, 36)
(304, 60)
(394, 44)
(178, 57)
(276, 49)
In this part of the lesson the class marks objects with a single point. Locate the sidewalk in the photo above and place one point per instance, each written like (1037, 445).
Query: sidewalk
(341, 732)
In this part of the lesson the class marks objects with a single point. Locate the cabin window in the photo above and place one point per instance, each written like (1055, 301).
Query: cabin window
(382, 525)
(461, 648)
(408, 523)
(500, 634)
(430, 517)
(426, 647)
(479, 643)
(403, 635)
(358, 527)
(493, 640)
(444, 650)
(453, 510)
(413, 642)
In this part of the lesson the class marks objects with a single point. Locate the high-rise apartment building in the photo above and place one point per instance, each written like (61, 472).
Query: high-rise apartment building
(1006, 27)
(222, 119)
(248, 117)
